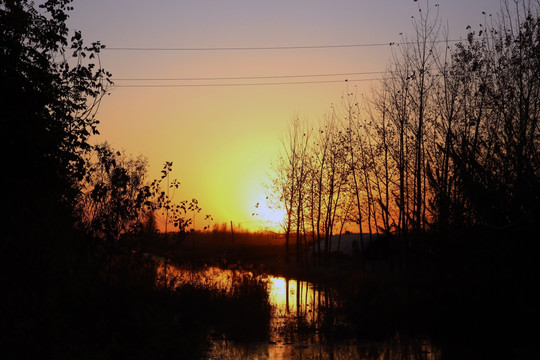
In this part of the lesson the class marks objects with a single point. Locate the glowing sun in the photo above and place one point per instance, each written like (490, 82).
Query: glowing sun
(270, 218)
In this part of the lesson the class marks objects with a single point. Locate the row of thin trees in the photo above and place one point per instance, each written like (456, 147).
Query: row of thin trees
(448, 140)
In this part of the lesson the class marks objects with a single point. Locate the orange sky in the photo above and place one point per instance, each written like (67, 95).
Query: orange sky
(222, 139)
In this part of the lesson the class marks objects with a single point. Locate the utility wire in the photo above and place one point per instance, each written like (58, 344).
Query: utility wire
(243, 84)
(248, 77)
(270, 47)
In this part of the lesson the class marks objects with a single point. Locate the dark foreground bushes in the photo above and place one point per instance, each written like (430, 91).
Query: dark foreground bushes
(472, 292)
(84, 317)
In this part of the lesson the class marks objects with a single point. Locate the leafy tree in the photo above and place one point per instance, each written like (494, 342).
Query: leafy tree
(117, 205)
(497, 143)
(114, 199)
(52, 85)
(179, 214)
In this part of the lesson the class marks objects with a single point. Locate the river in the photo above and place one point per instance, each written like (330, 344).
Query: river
(298, 317)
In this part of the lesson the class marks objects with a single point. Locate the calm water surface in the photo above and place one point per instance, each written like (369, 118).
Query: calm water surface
(299, 309)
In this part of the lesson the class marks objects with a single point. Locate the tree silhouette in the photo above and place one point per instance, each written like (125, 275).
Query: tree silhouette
(114, 199)
(52, 85)
(180, 214)
(451, 142)
(496, 152)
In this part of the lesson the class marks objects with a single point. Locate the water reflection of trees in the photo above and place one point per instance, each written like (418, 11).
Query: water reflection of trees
(307, 312)
(392, 349)
(308, 320)
(302, 311)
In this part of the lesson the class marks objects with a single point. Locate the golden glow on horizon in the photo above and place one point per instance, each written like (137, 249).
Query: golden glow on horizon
(222, 139)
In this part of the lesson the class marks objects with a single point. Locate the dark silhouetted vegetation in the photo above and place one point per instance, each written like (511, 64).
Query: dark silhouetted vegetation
(75, 280)
(448, 142)
(443, 160)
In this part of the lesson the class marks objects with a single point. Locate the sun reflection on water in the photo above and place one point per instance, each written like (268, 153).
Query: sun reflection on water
(277, 290)
(298, 315)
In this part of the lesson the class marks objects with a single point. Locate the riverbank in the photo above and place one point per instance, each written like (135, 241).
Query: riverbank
(88, 314)
(467, 291)
(473, 303)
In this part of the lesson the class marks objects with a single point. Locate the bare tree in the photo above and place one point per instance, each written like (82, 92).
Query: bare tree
(497, 158)
(290, 181)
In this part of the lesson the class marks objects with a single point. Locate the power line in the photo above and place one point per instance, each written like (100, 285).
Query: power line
(248, 77)
(242, 84)
(298, 47)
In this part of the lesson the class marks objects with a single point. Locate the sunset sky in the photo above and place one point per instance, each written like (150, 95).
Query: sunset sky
(222, 138)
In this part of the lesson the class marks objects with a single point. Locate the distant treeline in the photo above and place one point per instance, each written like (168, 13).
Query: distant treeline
(447, 142)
